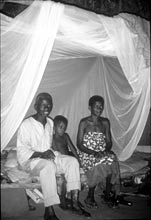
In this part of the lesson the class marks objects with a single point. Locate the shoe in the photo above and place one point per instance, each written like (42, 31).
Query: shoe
(115, 203)
(122, 201)
(111, 201)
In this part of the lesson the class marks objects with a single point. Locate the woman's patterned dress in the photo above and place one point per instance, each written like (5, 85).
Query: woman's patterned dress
(94, 141)
(98, 169)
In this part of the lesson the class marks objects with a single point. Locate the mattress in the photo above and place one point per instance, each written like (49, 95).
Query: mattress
(136, 164)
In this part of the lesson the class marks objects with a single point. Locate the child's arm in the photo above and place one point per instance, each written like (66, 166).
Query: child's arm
(72, 147)
(54, 147)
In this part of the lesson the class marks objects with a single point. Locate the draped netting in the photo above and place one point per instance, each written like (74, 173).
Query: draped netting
(73, 54)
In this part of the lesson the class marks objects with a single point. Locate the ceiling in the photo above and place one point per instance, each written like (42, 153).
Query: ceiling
(107, 7)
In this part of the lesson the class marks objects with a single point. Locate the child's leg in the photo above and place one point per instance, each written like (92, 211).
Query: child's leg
(63, 204)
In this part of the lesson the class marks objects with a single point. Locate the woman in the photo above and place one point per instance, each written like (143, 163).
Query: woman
(99, 162)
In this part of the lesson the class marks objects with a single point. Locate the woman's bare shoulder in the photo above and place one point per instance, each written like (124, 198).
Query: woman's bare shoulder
(85, 120)
(104, 120)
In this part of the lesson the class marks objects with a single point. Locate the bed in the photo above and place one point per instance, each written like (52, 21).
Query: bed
(137, 163)
(132, 170)
(136, 174)
(12, 175)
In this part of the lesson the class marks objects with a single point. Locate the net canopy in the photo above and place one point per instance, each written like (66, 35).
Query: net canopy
(74, 54)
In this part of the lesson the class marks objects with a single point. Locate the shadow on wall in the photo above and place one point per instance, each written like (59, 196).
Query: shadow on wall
(146, 136)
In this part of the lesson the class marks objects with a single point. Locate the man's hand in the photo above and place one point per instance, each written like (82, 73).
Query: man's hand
(47, 154)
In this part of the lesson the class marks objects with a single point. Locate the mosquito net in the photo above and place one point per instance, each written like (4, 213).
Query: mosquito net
(74, 54)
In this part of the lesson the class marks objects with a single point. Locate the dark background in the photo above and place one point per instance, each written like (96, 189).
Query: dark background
(107, 7)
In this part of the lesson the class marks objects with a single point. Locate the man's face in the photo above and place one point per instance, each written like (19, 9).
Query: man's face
(97, 108)
(44, 107)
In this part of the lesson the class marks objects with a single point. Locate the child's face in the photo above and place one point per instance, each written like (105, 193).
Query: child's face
(60, 128)
(44, 107)
(97, 109)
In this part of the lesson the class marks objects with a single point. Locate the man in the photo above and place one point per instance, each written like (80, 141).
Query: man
(34, 152)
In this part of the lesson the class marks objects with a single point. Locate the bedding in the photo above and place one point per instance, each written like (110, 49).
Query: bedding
(137, 163)
(12, 176)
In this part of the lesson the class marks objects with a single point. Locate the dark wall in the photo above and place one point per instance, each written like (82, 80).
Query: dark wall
(146, 136)
(106, 7)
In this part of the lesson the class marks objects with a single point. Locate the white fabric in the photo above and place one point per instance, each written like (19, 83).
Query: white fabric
(25, 49)
(33, 136)
(47, 171)
(11, 160)
(70, 167)
(76, 69)
(131, 56)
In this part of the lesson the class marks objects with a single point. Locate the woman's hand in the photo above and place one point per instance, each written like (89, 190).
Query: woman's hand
(99, 154)
(79, 163)
(48, 154)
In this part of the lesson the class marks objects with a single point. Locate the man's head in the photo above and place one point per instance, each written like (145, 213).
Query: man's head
(60, 124)
(96, 104)
(43, 104)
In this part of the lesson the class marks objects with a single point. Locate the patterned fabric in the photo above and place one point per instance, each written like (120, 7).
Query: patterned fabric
(95, 141)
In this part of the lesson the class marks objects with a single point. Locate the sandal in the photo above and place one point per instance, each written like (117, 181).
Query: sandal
(90, 203)
(111, 201)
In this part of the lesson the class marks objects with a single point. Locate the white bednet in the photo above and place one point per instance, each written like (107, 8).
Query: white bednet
(73, 54)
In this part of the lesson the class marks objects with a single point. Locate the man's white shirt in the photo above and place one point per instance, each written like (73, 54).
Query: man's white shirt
(33, 136)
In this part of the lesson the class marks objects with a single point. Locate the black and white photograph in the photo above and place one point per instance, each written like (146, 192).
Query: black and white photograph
(75, 110)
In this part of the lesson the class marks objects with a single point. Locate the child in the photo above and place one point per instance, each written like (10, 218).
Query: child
(61, 140)
(94, 143)
(63, 145)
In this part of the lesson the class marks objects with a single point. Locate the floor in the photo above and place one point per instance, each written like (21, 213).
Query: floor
(139, 210)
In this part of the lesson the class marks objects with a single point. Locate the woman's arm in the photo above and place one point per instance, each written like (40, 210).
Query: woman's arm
(80, 136)
(106, 124)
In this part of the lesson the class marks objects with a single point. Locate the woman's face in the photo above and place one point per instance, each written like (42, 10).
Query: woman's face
(97, 108)
(44, 107)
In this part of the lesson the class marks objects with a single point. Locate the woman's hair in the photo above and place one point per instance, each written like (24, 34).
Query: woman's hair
(60, 118)
(96, 98)
(42, 96)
